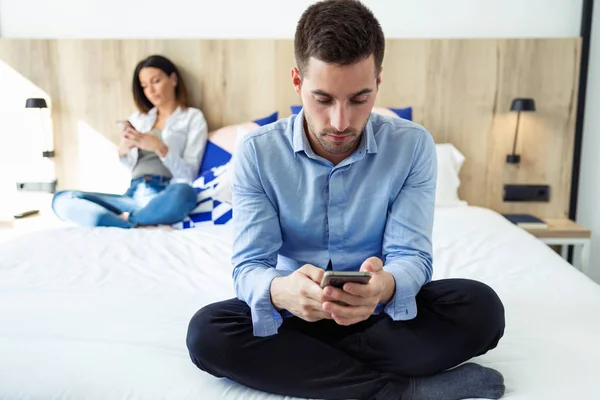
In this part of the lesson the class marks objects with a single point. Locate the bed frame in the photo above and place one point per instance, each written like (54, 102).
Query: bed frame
(460, 90)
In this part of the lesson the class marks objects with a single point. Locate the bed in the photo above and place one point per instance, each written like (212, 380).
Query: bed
(84, 318)
(102, 313)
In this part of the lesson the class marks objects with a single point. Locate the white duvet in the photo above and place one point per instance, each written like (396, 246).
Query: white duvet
(102, 313)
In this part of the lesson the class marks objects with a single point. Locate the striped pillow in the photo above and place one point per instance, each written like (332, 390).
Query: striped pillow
(209, 210)
(215, 163)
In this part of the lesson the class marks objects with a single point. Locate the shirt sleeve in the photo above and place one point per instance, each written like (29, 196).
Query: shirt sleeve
(130, 158)
(407, 247)
(185, 163)
(257, 242)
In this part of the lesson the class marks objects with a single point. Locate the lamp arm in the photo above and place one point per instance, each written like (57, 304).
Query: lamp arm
(516, 132)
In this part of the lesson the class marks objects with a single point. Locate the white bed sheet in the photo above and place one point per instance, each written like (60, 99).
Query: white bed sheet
(102, 313)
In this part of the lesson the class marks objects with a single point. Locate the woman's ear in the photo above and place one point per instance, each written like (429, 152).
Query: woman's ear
(173, 78)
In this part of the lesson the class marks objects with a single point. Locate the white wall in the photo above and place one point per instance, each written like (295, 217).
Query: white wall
(277, 18)
(588, 212)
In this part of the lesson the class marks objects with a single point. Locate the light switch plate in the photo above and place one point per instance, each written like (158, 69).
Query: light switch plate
(528, 193)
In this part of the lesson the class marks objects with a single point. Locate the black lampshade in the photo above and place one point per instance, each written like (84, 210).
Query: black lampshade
(522, 104)
(36, 103)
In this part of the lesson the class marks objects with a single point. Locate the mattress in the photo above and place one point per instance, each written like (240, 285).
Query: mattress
(102, 313)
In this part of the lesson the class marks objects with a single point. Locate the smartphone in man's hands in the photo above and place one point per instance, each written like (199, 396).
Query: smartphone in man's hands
(339, 278)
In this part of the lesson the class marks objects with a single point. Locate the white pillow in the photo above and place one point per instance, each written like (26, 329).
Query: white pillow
(450, 161)
(222, 190)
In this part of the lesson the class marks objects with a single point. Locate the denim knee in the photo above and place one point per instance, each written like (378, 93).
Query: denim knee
(60, 202)
(186, 195)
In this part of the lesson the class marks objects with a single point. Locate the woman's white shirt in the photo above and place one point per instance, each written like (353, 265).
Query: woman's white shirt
(185, 134)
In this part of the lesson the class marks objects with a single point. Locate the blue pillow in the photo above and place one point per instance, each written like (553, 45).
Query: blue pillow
(208, 211)
(213, 156)
(267, 120)
(404, 113)
(295, 109)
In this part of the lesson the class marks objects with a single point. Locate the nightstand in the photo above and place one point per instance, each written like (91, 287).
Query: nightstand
(11, 228)
(564, 232)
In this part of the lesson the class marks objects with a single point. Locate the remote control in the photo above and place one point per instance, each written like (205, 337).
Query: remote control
(26, 214)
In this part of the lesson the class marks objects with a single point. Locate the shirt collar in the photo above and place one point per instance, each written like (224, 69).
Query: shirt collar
(154, 111)
(301, 143)
(371, 143)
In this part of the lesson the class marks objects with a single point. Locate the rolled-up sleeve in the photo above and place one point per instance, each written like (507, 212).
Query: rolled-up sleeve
(130, 158)
(184, 163)
(257, 242)
(407, 247)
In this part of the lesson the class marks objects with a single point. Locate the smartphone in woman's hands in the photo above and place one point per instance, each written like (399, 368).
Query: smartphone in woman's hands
(124, 124)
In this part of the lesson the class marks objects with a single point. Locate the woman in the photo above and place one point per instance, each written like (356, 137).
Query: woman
(162, 144)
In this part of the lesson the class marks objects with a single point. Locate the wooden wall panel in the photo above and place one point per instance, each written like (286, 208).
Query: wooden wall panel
(460, 90)
(546, 70)
(284, 62)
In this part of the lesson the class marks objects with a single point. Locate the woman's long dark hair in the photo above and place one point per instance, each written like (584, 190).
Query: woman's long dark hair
(166, 66)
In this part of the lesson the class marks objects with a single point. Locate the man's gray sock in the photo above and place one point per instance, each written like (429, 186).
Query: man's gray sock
(464, 382)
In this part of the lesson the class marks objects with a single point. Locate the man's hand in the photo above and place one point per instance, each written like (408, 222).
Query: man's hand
(300, 293)
(360, 299)
(146, 141)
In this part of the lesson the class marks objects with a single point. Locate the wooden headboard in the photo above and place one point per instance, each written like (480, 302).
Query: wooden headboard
(460, 90)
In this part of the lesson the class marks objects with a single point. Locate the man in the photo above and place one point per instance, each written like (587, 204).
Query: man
(338, 188)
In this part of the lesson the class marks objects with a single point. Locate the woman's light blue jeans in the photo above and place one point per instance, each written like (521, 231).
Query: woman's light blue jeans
(150, 200)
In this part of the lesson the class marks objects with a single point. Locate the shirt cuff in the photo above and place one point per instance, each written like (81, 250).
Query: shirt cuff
(127, 159)
(403, 305)
(266, 320)
(166, 159)
(170, 162)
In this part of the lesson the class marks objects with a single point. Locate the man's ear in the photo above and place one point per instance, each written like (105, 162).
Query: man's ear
(296, 80)
(379, 77)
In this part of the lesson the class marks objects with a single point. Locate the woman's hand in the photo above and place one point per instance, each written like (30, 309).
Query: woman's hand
(146, 141)
(125, 145)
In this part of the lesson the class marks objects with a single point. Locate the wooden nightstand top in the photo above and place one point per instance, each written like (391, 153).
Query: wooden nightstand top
(10, 229)
(561, 228)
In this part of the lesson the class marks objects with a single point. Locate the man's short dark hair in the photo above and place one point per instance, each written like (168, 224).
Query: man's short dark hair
(340, 32)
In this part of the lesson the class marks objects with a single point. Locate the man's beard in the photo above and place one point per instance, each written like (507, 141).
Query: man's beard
(328, 144)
